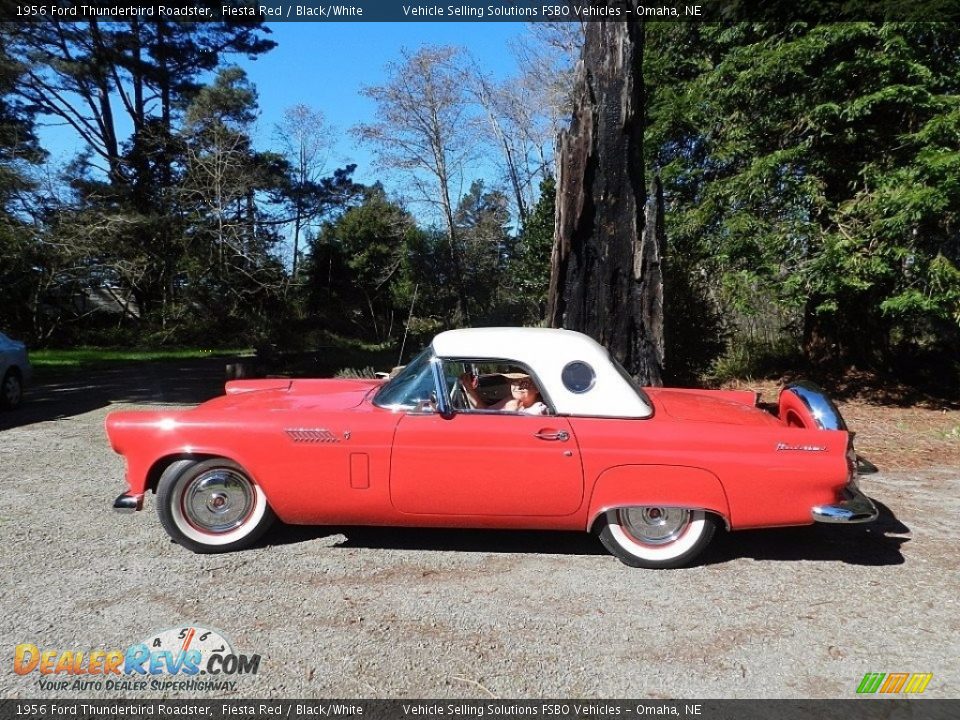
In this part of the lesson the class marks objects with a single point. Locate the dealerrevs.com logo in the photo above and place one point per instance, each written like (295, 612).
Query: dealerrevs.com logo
(186, 658)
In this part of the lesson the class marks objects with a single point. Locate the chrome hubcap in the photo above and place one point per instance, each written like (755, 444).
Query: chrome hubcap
(218, 501)
(654, 525)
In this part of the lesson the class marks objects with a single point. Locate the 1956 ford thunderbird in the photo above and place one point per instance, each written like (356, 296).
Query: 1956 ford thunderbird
(454, 441)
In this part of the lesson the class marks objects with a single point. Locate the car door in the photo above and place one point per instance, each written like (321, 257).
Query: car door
(485, 463)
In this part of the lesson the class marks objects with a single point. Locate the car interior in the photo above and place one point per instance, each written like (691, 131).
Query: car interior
(492, 383)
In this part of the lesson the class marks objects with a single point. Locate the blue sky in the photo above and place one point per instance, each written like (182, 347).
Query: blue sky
(324, 66)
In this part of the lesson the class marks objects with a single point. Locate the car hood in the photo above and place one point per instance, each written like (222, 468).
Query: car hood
(334, 394)
(734, 408)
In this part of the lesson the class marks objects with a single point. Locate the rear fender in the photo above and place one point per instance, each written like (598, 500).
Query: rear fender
(805, 405)
(657, 485)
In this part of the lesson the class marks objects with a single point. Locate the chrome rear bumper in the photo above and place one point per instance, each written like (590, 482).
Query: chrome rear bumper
(854, 507)
(128, 503)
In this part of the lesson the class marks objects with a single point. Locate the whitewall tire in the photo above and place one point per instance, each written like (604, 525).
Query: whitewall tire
(212, 506)
(656, 537)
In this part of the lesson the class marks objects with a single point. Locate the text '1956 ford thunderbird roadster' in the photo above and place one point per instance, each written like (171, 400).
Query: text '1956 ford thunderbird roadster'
(494, 428)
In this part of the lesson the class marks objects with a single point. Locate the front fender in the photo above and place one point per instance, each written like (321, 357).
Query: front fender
(658, 485)
(144, 469)
(145, 439)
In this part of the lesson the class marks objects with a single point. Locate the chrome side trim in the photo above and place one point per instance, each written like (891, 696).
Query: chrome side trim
(311, 435)
(128, 503)
(824, 412)
(801, 448)
(854, 507)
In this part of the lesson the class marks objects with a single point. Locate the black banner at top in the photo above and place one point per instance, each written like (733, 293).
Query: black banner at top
(483, 10)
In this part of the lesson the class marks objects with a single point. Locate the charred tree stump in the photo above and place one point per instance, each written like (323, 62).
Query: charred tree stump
(606, 279)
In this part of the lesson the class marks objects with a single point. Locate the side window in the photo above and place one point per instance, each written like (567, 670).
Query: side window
(493, 386)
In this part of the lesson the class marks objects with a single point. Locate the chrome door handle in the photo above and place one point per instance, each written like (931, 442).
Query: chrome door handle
(561, 435)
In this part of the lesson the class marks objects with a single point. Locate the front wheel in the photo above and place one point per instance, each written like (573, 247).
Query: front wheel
(656, 537)
(212, 506)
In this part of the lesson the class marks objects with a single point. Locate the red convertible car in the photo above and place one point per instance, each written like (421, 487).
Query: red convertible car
(494, 428)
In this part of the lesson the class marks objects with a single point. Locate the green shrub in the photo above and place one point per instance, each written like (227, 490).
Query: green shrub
(755, 359)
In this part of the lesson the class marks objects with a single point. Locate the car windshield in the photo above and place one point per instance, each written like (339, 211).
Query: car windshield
(412, 386)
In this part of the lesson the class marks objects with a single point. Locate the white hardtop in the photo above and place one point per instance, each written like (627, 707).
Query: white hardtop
(547, 352)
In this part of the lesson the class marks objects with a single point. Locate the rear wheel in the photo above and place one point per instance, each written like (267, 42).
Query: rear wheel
(11, 390)
(212, 506)
(656, 537)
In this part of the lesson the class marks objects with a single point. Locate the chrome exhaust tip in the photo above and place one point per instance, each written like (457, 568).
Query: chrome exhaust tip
(128, 503)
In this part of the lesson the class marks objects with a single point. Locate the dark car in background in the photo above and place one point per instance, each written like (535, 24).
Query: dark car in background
(15, 372)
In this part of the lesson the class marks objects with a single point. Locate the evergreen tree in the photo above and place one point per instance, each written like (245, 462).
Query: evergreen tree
(18, 247)
(817, 165)
(95, 77)
(230, 262)
(355, 271)
(481, 219)
(530, 265)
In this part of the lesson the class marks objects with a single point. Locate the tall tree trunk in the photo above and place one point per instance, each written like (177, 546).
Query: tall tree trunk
(140, 110)
(606, 278)
(463, 301)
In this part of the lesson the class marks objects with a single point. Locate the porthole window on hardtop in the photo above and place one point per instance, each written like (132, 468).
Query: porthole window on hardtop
(578, 376)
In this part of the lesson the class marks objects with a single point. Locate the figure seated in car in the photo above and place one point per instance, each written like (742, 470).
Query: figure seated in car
(524, 395)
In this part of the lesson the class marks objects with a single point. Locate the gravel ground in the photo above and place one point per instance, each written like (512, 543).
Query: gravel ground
(360, 612)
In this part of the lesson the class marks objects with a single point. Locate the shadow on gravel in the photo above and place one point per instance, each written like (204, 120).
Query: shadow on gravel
(869, 544)
(443, 539)
(177, 382)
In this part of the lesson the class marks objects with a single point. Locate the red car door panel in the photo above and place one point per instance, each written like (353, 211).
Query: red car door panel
(485, 464)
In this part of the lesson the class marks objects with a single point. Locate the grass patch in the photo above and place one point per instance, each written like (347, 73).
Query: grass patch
(325, 360)
(86, 358)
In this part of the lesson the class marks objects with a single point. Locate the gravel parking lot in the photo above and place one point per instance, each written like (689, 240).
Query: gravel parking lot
(359, 612)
